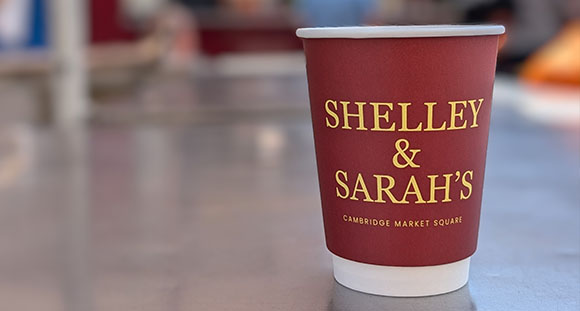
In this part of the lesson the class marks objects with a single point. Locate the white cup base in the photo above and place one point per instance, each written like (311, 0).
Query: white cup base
(401, 281)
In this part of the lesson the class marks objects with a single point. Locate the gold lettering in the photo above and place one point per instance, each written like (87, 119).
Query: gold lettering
(404, 119)
(331, 113)
(377, 116)
(467, 185)
(430, 119)
(359, 115)
(412, 183)
(342, 184)
(387, 189)
(360, 186)
(475, 111)
(433, 188)
(455, 114)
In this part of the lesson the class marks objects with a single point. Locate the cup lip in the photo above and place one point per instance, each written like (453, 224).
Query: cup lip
(400, 31)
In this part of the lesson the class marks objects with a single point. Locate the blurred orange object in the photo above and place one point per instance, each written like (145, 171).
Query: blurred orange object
(558, 61)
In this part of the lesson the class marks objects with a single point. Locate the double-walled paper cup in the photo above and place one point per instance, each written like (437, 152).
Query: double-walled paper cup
(401, 120)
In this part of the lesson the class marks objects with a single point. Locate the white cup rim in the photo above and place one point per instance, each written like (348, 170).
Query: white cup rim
(399, 31)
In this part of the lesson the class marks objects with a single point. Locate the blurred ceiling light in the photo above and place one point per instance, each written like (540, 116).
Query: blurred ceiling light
(270, 142)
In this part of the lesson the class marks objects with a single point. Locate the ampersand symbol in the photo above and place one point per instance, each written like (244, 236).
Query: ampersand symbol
(402, 145)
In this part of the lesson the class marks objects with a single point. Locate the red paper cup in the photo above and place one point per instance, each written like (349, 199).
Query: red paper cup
(401, 120)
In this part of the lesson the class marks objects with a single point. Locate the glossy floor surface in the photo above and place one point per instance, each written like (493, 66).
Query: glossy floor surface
(225, 214)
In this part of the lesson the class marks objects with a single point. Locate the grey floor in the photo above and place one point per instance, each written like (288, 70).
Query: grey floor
(224, 214)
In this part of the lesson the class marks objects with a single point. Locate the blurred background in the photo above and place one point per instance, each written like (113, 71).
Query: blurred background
(144, 144)
(119, 61)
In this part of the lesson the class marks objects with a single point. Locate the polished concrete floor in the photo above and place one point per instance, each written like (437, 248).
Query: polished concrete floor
(224, 214)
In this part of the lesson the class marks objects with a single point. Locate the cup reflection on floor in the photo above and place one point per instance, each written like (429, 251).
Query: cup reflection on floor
(344, 299)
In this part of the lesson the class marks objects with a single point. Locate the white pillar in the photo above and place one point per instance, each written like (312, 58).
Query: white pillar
(69, 78)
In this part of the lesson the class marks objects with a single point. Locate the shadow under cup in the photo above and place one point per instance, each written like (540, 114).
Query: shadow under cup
(401, 120)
